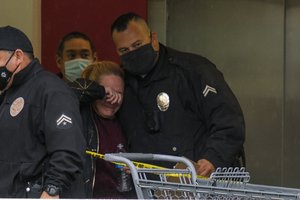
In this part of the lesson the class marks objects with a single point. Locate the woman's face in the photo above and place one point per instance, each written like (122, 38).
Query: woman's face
(103, 108)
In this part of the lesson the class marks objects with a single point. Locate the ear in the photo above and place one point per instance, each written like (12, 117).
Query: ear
(59, 63)
(20, 59)
(19, 56)
(95, 58)
(154, 41)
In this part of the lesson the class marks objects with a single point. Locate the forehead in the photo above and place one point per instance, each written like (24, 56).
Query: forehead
(111, 80)
(77, 44)
(135, 31)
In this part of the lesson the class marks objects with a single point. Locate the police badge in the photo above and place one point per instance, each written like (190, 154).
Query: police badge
(17, 106)
(163, 101)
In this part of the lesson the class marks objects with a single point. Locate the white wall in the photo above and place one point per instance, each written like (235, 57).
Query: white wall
(255, 43)
(157, 18)
(25, 15)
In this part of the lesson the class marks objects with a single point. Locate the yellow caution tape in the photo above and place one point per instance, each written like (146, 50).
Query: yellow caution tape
(140, 165)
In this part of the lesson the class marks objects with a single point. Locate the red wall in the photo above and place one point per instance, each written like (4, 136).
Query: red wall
(92, 17)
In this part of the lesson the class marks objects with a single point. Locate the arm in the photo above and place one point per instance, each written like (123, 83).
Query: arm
(64, 141)
(88, 91)
(223, 119)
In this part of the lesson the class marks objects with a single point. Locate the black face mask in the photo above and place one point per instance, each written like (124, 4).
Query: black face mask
(140, 61)
(5, 75)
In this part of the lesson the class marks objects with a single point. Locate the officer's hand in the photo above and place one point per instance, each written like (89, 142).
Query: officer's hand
(112, 96)
(45, 195)
(205, 168)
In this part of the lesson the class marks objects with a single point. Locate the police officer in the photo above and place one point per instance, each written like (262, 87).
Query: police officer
(175, 103)
(41, 141)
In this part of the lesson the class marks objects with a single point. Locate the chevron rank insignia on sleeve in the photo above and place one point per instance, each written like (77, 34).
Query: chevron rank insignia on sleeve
(209, 89)
(64, 122)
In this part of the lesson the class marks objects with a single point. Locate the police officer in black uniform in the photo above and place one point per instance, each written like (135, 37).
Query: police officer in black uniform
(41, 141)
(176, 103)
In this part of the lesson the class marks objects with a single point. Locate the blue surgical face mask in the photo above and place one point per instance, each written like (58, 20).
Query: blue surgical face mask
(73, 68)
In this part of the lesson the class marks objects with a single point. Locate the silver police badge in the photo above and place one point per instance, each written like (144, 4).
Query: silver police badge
(163, 101)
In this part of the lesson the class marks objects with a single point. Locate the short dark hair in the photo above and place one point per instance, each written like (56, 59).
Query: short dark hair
(70, 36)
(120, 24)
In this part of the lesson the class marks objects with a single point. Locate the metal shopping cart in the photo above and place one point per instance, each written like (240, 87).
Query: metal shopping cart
(170, 183)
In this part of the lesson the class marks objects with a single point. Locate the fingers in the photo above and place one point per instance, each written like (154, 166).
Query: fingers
(205, 168)
(127, 170)
(112, 96)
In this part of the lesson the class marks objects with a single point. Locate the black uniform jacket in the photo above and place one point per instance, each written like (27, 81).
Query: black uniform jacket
(40, 133)
(183, 107)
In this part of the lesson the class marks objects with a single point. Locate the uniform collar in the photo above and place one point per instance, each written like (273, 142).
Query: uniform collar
(26, 73)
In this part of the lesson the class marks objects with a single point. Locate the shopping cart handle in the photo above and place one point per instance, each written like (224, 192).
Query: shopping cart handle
(117, 157)
(136, 156)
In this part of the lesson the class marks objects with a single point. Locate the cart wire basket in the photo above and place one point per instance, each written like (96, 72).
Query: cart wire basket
(174, 183)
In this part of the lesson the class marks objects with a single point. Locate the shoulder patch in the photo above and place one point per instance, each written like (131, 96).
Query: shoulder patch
(64, 122)
(209, 89)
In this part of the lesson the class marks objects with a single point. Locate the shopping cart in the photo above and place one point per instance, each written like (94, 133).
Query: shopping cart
(173, 183)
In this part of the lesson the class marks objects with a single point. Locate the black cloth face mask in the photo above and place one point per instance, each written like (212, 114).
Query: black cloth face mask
(140, 61)
(5, 75)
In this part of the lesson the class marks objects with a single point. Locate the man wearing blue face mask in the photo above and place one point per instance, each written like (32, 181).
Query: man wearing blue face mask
(75, 51)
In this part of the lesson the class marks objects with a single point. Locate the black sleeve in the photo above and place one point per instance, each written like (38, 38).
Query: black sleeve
(222, 115)
(86, 90)
(64, 140)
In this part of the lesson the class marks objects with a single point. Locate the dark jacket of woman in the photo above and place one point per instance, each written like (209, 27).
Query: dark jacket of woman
(102, 136)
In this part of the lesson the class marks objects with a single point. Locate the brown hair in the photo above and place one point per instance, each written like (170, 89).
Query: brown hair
(97, 69)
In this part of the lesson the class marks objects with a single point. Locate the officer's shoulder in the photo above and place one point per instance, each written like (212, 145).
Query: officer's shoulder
(51, 81)
(190, 62)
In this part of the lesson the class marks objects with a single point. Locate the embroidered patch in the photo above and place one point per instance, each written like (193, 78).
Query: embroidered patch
(17, 106)
(64, 122)
(208, 89)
